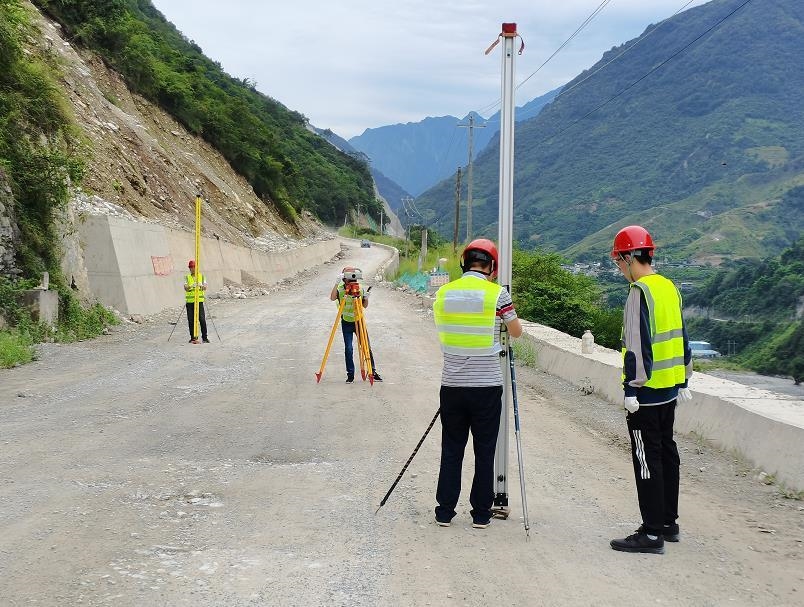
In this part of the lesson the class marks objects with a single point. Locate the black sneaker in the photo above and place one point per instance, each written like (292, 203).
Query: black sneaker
(377, 376)
(481, 524)
(670, 533)
(350, 378)
(205, 340)
(639, 542)
(442, 523)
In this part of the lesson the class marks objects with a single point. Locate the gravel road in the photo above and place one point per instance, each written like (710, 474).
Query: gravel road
(137, 471)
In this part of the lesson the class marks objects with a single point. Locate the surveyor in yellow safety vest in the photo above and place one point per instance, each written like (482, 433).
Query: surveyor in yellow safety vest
(190, 289)
(657, 364)
(349, 276)
(469, 313)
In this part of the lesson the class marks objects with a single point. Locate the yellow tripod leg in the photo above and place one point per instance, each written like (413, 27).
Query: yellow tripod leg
(362, 339)
(358, 321)
(329, 343)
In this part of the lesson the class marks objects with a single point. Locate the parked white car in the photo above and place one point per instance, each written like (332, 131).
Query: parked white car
(703, 349)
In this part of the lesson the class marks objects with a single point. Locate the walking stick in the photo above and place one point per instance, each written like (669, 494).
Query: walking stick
(175, 323)
(518, 442)
(407, 463)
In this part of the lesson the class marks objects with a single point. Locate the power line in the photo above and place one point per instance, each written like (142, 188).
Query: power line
(641, 78)
(627, 49)
(586, 22)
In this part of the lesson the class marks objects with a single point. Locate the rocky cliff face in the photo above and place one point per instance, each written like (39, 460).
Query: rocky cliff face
(144, 165)
(8, 229)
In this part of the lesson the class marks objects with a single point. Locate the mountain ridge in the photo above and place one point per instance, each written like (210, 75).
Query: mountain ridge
(413, 154)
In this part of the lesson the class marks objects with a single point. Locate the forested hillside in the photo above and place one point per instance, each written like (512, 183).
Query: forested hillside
(695, 129)
(754, 311)
(263, 140)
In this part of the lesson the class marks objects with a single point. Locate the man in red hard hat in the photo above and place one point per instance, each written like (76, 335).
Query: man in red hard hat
(657, 364)
(469, 313)
(190, 289)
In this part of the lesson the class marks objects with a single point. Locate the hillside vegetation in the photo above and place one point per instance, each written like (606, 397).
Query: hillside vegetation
(698, 136)
(754, 311)
(263, 140)
(40, 154)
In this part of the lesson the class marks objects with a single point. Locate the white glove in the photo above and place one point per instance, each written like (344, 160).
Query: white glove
(340, 276)
(684, 395)
(631, 404)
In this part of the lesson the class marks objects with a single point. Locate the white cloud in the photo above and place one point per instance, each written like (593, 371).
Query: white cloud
(355, 64)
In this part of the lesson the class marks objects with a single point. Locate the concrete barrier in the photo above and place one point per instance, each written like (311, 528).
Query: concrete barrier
(43, 305)
(139, 268)
(389, 267)
(765, 428)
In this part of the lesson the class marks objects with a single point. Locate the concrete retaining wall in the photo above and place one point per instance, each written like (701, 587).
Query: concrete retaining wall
(139, 268)
(765, 428)
(390, 267)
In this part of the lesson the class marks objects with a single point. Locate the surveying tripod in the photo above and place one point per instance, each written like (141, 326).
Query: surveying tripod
(352, 291)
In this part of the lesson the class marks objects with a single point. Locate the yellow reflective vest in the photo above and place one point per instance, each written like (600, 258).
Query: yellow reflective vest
(189, 296)
(465, 313)
(666, 331)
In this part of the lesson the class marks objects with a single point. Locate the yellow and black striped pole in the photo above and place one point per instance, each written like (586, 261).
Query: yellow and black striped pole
(197, 265)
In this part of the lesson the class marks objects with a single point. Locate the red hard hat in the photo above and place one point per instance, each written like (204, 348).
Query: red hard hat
(632, 238)
(485, 245)
(191, 263)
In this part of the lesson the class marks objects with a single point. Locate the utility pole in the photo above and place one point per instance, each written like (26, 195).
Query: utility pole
(423, 254)
(406, 200)
(457, 210)
(471, 126)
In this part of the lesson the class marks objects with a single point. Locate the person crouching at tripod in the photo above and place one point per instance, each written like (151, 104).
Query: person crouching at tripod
(346, 278)
(190, 289)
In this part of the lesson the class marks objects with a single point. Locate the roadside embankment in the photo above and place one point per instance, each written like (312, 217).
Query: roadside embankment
(765, 428)
(138, 268)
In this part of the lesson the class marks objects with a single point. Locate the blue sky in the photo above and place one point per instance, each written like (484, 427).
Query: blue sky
(354, 64)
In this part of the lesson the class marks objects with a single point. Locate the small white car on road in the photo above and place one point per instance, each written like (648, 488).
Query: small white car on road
(703, 349)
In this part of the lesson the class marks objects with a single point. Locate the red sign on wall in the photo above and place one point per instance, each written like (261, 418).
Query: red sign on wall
(163, 266)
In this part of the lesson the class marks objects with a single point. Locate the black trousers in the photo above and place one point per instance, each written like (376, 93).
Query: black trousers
(464, 410)
(202, 318)
(656, 464)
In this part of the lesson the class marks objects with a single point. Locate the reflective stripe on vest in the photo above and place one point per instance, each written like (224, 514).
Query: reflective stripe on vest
(465, 314)
(189, 296)
(348, 313)
(666, 331)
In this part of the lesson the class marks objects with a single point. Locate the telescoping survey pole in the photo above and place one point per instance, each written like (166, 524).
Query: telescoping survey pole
(505, 240)
(197, 264)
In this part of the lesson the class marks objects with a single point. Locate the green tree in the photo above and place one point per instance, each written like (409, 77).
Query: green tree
(548, 294)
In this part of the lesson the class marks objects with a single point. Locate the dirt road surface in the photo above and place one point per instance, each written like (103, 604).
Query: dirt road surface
(137, 471)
